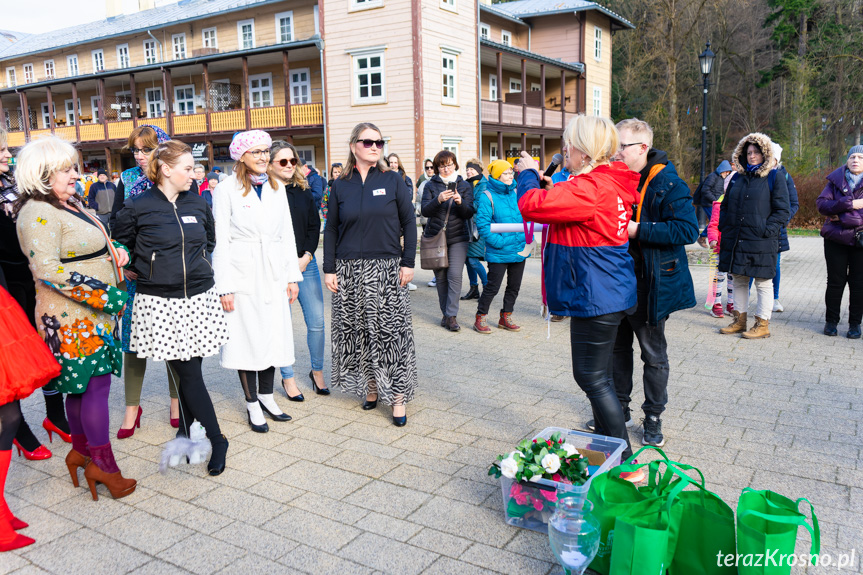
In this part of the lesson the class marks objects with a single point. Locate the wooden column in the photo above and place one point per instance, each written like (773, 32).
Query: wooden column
(500, 154)
(248, 102)
(207, 103)
(25, 114)
(77, 125)
(169, 103)
(542, 94)
(563, 98)
(134, 92)
(523, 93)
(523, 137)
(50, 109)
(286, 70)
(108, 162)
(2, 114)
(102, 117)
(500, 93)
(542, 149)
(211, 160)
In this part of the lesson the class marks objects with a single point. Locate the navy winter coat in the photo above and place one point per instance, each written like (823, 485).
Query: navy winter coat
(793, 206)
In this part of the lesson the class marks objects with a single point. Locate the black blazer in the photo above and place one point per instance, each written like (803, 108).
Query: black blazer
(305, 218)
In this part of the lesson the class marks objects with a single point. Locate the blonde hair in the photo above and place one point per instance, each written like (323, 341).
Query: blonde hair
(242, 173)
(37, 162)
(3, 138)
(637, 127)
(351, 162)
(593, 136)
(166, 154)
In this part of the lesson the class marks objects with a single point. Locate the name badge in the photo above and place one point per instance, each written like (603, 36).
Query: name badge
(189, 220)
(379, 192)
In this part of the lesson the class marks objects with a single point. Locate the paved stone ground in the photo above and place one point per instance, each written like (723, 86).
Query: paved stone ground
(340, 490)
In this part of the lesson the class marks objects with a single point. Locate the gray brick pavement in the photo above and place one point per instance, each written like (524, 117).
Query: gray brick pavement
(340, 490)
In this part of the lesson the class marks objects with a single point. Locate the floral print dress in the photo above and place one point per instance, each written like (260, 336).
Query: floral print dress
(76, 294)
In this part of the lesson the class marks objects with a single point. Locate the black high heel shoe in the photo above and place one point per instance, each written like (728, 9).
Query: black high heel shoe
(298, 397)
(276, 417)
(216, 465)
(400, 421)
(318, 390)
(367, 405)
(258, 428)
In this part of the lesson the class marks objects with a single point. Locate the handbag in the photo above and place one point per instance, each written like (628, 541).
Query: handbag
(433, 253)
(858, 237)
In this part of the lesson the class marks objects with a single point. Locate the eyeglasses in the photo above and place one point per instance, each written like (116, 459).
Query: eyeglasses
(507, 173)
(370, 143)
(257, 153)
(446, 166)
(624, 146)
(284, 162)
(141, 151)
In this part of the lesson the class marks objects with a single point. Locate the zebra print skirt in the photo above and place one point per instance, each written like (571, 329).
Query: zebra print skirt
(373, 339)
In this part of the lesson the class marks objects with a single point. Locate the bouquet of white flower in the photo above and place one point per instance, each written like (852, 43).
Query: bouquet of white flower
(551, 459)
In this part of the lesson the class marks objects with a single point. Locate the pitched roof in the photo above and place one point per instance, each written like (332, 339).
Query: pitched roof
(124, 24)
(9, 38)
(530, 8)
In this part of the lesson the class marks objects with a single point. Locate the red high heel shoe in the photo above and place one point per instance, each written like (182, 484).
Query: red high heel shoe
(52, 429)
(37, 454)
(124, 433)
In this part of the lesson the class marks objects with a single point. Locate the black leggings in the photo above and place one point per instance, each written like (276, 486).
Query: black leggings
(255, 382)
(844, 266)
(592, 342)
(195, 402)
(10, 419)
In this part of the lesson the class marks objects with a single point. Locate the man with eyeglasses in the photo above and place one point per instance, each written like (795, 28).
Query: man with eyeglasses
(662, 225)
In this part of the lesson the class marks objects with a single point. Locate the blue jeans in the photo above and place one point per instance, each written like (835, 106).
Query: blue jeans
(474, 269)
(709, 211)
(311, 300)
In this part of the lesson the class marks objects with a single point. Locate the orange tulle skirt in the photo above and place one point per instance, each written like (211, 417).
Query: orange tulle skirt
(26, 363)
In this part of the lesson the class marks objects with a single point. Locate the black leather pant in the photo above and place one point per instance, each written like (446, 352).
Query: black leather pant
(592, 341)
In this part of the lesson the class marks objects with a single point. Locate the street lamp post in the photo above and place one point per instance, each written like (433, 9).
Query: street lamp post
(706, 60)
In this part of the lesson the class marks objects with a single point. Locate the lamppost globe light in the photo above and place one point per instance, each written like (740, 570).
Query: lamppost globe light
(706, 60)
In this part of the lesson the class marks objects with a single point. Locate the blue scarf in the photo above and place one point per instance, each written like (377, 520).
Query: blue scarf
(853, 181)
(753, 168)
(499, 187)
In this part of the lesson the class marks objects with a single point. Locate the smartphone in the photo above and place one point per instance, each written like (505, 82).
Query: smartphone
(451, 186)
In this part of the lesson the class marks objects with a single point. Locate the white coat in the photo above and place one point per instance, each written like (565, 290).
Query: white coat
(255, 259)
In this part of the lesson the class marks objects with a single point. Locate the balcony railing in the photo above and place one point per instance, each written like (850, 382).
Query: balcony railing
(517, 115)
(271, 117)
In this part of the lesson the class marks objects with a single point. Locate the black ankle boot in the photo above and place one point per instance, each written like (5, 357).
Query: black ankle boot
(217, 460)
(472, 293)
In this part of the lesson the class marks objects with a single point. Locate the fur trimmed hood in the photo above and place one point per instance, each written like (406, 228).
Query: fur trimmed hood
(764, 142)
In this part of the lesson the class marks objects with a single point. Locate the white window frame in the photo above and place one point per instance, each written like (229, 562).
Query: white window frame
(70, 114)
(356, 5)
(181, 53)
(368, 53)
(493, 90)
(307, 153)
(513, 82)
(69, 60)
(240, 25)
(94, 55)
(484, 31)
(11, 78)
(448, 5)
(29, 77)
(205, 42)
(46, 118)
(94, 108)
(295, 99)
(177, 99)
(449, 55)
(151, 53)
(506, 37)
(252, 91)
(158, 110)
(492, 151)
(535, 87)
(597, 43)
(123, 61)
(52, 73)
(597, 101)
(451, 144)
(288, 14)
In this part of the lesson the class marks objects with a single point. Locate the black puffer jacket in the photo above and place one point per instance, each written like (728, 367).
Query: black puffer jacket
(457, 229)
(171, 244)
(752, 215)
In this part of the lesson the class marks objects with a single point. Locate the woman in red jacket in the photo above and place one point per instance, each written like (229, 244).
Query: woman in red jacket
(589, 275)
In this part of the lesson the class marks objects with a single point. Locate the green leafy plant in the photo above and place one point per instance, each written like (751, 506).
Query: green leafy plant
(551, 459)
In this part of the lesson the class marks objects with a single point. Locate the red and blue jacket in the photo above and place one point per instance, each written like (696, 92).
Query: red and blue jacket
(588, 270)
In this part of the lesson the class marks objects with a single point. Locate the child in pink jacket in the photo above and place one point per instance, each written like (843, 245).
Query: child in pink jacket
(717, 277)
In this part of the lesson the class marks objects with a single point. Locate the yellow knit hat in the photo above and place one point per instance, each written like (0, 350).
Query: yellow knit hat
(497, 167)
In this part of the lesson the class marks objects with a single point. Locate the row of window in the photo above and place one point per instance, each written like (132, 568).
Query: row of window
(506, 38)
(284, 22)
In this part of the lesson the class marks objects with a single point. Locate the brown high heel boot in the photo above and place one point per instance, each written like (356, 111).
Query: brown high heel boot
(103, 469)
(74, 460)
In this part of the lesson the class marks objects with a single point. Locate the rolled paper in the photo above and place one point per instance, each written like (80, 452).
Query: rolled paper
(509, 228)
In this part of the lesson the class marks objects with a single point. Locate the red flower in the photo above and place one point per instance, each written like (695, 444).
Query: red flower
(534, 440)
(548, 442)
(556, 477)
(550, 495)
(537, 503)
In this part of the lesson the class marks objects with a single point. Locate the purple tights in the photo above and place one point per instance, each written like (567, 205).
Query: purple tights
(88, 412)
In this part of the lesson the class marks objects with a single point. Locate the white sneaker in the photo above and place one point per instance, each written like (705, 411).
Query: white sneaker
(777, 305)
(412, 286)
(433, 283)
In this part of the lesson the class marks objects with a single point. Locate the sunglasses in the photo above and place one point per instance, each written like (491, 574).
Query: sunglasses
(285, 161)
(140, 150)
(370, 143)
(429, 167)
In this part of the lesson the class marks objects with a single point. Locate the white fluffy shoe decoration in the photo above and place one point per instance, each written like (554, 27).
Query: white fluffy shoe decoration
(196, 449)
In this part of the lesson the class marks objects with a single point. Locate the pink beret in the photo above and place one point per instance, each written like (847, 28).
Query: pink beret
(244, 140)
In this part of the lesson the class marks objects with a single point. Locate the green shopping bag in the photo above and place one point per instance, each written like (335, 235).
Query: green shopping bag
(767, 526)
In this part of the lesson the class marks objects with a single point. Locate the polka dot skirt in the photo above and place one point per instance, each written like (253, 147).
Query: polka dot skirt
(178, 328)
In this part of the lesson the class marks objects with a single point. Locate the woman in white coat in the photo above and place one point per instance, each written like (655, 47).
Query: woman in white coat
(256, 273)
